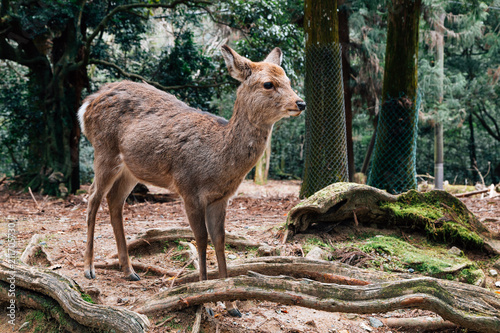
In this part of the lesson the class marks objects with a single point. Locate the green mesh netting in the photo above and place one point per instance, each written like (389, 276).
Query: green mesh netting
(325, 146)
(393, 168)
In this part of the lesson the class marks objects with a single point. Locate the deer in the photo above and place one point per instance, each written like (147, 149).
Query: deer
(142, 134)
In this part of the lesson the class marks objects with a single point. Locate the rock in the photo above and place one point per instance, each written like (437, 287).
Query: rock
(411, 270)
(493, 272)
(455, 251)
(374, 322)
(497, 284)
(316, 253)
(365, 327)
(311, 323)
(265, 251)
(231, 256)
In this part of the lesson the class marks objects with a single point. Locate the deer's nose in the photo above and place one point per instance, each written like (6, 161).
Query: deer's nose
(301, 105)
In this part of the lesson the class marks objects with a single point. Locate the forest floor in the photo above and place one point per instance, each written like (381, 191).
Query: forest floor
(256, 212)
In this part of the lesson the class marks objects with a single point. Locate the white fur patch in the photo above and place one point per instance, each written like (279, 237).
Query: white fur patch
(81, 112)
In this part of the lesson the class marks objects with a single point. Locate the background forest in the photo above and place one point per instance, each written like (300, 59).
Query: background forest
(55, 52)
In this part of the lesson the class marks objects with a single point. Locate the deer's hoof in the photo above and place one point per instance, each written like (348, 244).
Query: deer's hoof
(89, 273)
(234, 313)
(210, 312)
(133, 277)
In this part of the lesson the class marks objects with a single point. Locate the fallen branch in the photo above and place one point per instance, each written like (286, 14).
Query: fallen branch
(68, 295)
(465, 305)
(469, 194)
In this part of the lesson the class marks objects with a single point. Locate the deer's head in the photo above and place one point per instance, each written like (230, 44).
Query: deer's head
(265, 92)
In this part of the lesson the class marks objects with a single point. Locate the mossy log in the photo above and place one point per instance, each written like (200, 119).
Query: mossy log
(437, 213)
(68, 295)
(468, 306)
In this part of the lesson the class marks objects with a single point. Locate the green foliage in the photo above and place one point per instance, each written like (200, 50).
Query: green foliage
(179, 47)
(185, 65)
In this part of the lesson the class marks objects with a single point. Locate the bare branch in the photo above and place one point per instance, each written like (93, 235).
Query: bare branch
(127, 8)
(153, 83)
(485, 124)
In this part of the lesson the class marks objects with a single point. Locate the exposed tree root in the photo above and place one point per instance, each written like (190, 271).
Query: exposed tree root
(69, 296)
(153, 236)
(34, 300)
(115, 264)
(319, 270)
(349, 289)
(451, 300)
(419, 323)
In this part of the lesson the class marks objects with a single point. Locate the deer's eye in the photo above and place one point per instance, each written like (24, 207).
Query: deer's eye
(268, 85)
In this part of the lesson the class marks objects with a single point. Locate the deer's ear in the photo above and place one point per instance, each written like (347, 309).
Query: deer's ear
(275, 57)
(238, 66)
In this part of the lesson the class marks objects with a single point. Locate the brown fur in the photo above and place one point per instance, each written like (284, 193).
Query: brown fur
(142, 134)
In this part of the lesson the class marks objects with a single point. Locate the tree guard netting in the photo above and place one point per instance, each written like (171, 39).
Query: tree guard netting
(393, 167)
(326, 145)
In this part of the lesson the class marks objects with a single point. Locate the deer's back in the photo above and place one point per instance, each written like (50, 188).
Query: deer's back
(159, 138)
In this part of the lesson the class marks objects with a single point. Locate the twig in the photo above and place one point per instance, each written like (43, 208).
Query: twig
(480, 175)
(36, 202)
(165, 321)
(179, 273)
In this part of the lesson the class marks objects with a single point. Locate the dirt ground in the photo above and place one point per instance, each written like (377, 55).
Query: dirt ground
(255, 212)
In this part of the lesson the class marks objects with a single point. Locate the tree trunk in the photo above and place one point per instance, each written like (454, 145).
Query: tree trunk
(262, 166)
(438, 129)
(55, 85)
(393, 166)
(346, 77)
(326, 149)
(472, 148)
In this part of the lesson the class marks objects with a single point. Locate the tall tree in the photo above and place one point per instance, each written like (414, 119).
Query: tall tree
(393, 166)
(326, 149)
(50, 39)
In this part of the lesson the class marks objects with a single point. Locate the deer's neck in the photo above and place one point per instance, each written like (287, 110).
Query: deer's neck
(246, 138)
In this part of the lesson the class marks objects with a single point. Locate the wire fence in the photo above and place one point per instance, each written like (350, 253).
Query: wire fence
(394, 158)
(325, 146)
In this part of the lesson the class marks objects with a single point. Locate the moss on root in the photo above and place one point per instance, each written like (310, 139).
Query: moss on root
(443, 217)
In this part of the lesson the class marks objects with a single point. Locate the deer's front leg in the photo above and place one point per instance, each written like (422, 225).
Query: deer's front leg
(215, 219)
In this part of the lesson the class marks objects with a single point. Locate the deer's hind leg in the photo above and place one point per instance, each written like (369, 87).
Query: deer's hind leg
(116, 197)
(106, 171)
